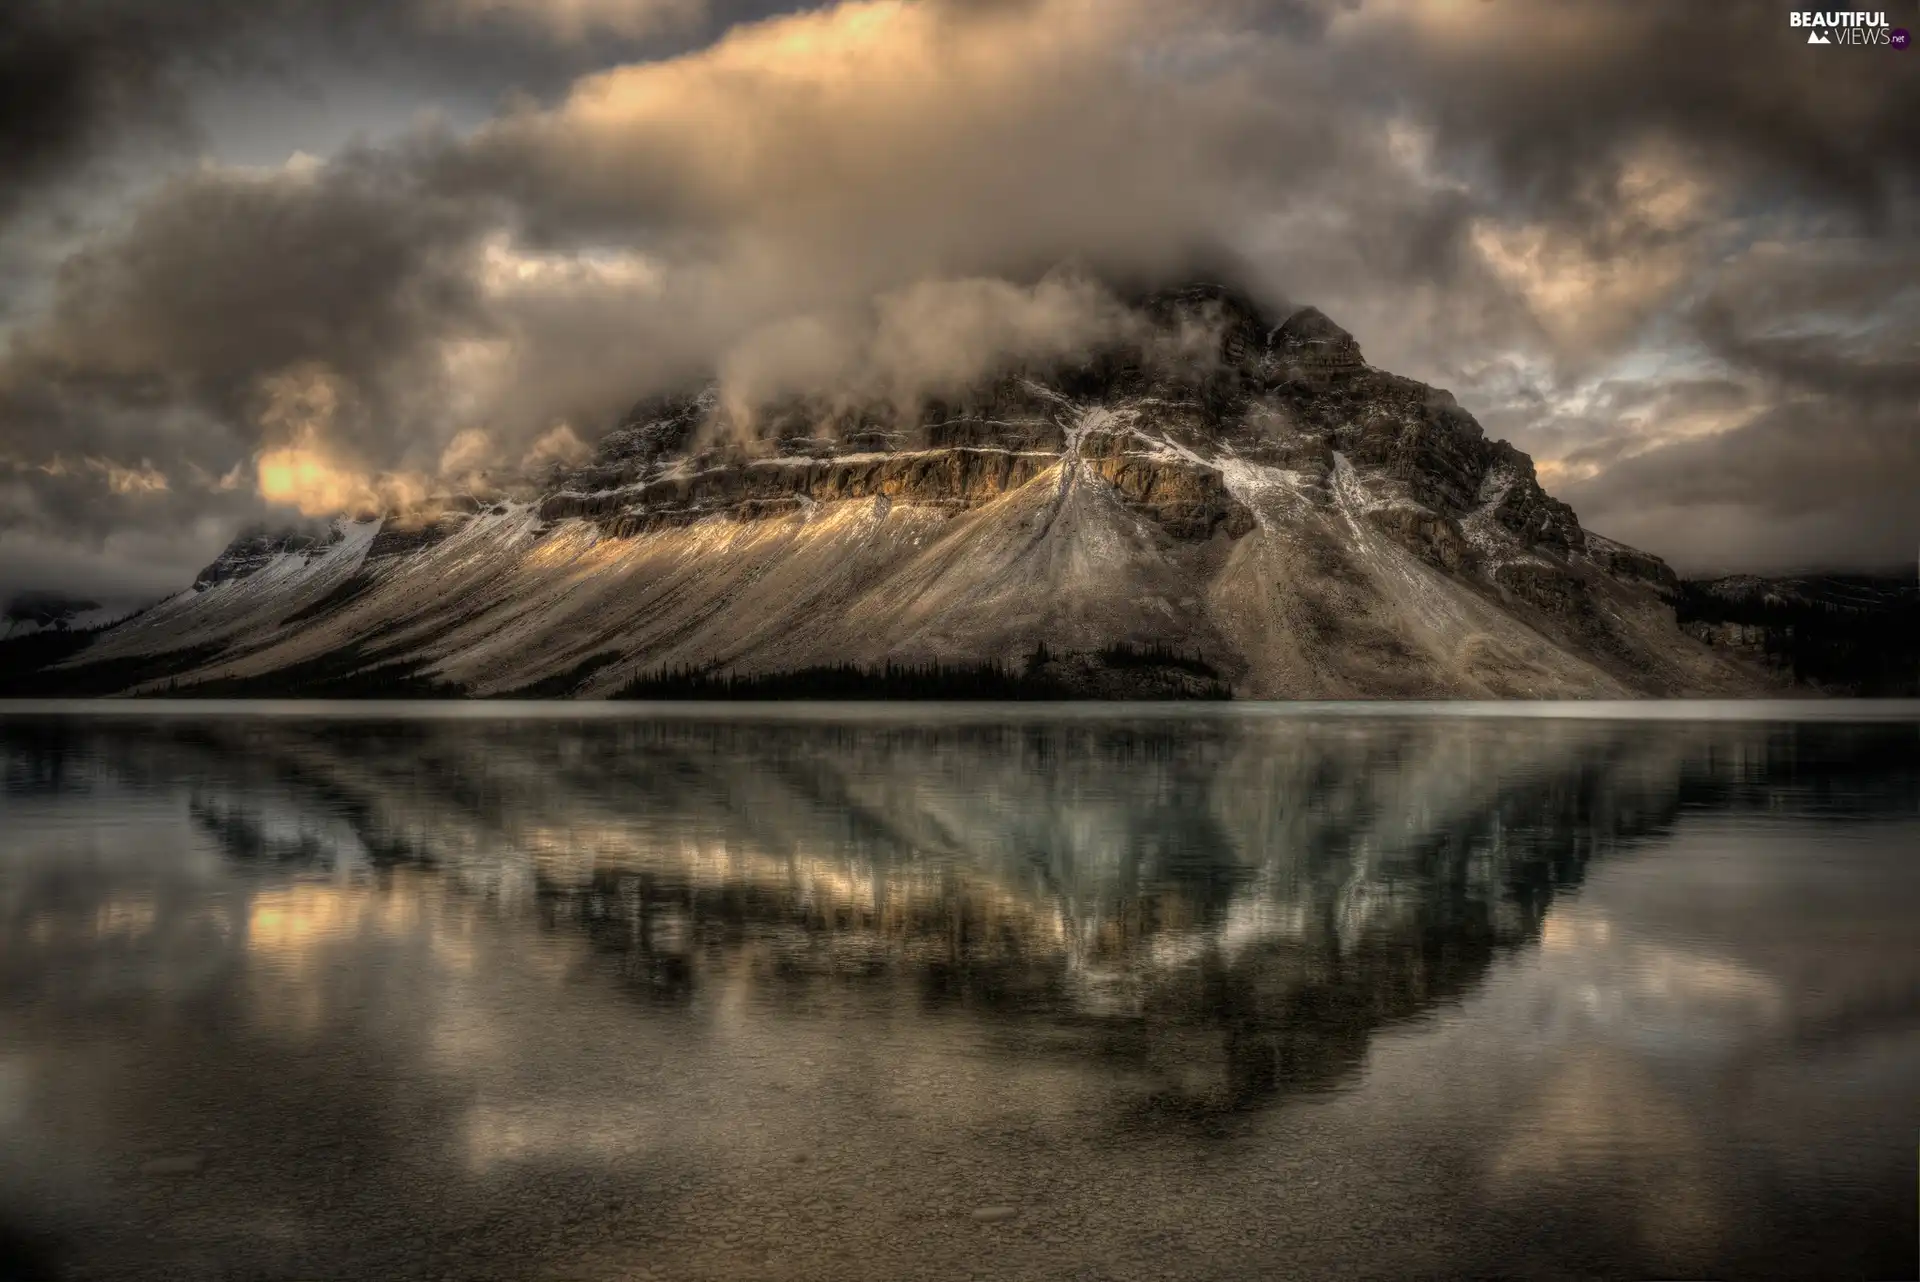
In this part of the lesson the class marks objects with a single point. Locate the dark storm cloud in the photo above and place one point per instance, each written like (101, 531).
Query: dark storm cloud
(1828, 338)
(1838, 319)
(80, 78)
(158, 340)
(72, 75)
(1505, 197)
(1609, 155)
(218, 278)
(1545, 93)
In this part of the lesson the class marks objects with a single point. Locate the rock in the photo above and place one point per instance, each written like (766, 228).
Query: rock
(994, 1214)
(255, 549)
(1426, 534)
(1308, 347)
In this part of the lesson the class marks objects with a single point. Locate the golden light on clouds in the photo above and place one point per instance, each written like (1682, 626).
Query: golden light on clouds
(144, 479)
(307, 477)
(559, 444)
(1474, 30)
(506, 268)
(466, 453)
(854, 97)
(1577, 294)
(1598, 286)
(306, 471)
(1553, 472)
(141, 478)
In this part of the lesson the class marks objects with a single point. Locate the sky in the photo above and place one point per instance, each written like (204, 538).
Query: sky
(263, 259)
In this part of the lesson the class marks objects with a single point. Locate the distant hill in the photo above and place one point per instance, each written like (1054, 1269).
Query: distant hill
(1844, 633)
(33, 611)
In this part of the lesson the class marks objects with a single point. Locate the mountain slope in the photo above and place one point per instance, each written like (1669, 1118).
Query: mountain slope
(1271, 510)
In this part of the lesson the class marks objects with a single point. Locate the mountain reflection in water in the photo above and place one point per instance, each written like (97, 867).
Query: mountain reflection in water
(747, 979)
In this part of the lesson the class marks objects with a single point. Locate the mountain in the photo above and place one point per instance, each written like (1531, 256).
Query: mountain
(30, 612)
(1844, 633)
(1224, 501)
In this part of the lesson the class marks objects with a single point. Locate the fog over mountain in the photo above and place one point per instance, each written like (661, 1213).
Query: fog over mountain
(285, 261)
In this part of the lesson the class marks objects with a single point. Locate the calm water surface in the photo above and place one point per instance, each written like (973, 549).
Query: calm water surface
(935, 993)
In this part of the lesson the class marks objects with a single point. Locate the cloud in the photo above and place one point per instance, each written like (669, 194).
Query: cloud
(1561, 209)
(932, 338)
(1551, 100)
(468, 452)
(575, 20)
(306, 468)
(143, 479)
(164, 340)
(944, 335)
(663, 220)
(1593, 282)
(1820, 460)
(84, 82)
(71, 74)
(560, 445)
(819, 155)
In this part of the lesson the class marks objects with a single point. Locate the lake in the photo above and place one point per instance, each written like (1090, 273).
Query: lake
(911, 991)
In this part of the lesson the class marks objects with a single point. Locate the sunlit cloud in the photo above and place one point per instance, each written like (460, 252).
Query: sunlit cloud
(306, 471)
(560, 444)
(141, 479)
(466, 453)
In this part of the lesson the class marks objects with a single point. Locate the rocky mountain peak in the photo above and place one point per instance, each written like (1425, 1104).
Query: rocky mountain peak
(1310, 342)
(1226, 498)
(253, 549)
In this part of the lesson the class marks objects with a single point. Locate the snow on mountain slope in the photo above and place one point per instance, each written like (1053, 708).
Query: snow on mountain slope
(252, 586)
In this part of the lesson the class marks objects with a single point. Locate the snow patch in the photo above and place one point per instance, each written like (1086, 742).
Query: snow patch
(1264, 490)
(1387, 560)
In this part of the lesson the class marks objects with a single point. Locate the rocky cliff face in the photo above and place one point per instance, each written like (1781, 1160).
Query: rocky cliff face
(1261, 507)
(255, 550)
